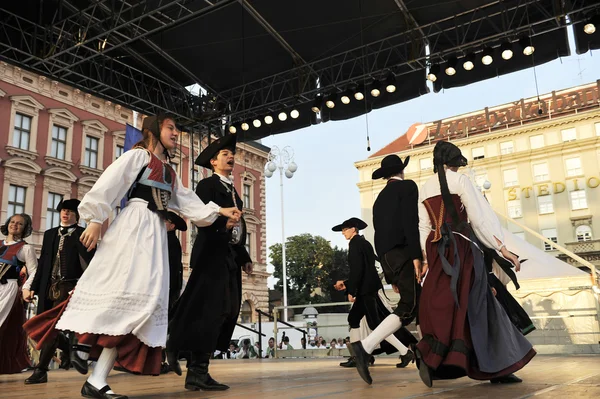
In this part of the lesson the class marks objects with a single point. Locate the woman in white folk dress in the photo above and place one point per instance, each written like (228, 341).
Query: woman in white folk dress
(119, 308)
(16, 258)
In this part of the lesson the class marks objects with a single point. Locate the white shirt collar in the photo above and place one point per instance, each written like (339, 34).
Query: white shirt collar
(396, 178)
(224, 178)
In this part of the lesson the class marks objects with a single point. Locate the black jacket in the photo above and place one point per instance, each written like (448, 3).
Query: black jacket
(363, 277)
(76, 253)
(396, 218)
(175, 267)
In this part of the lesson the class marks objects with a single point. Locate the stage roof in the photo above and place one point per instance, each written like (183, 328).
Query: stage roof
(260, 57)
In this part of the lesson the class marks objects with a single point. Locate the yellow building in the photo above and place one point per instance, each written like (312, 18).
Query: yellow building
(536, 160)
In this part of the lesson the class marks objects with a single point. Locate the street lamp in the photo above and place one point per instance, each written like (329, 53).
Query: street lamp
(282, 159)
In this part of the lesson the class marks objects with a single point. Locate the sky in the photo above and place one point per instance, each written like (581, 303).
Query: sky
(323, 192)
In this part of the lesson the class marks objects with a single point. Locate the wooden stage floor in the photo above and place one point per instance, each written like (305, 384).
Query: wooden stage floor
(544, 377)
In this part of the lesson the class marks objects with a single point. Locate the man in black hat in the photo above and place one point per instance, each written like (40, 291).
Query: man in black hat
(396, 223)
(62, 261)
(362, 288)
(204, 318)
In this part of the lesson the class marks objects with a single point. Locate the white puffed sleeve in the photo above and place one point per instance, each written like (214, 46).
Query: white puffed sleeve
(482, 218)
(189, 205)
(112, 185)
(27, 254)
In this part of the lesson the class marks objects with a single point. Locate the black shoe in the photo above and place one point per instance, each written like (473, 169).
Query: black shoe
(90, 391)
(165, 368)
(39, 376)
(80, 364)
(406, 359)
(508, 379)
(424, 370)
(371, 360)
(197, 378)
(173, 359)
(361, 357)
(349, 363)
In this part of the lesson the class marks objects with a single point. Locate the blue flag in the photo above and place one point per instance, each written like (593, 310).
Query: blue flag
(132, 136)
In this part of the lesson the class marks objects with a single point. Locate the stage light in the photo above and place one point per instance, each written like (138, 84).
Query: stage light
(282, 116)
(526, 45)
(245, 126)
(268, 119)
(360, 92)
(317, 104)
(256, 123)
(375, 88)
(434, 72)
(506, 50)
(591, 25)
(330, 102)
(345, 98)
(469, 62)
(451, 66)
(232, 129)
(390, 83)
(488, 56)
(294, 114)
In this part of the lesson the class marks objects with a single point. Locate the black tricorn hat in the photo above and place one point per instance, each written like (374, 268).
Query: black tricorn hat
(213, 149)
(352, 222)
(70, 204)
(179, 223)
(390, 166)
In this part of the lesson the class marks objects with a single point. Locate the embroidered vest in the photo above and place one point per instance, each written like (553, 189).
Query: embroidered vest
(10, 265)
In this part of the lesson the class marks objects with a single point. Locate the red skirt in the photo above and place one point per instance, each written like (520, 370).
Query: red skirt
(446, 346)
(13, 340)
(132, 354)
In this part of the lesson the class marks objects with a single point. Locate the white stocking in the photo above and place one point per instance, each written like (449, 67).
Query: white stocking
(105, 363)
(388, 326)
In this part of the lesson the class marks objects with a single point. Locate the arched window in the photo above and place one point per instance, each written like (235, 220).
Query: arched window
(246, 314)
(583, 233)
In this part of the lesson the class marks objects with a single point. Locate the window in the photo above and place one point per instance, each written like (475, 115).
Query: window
(196, 176)
(578, 200)
(16, 200)
(597, 129)
(426, 164)
(583, 233)
(540, 172)
(536, 141)
(520, 234)
(507, 147)
(551, 235)
(514, 208)
(545, 204)
(248, 241)
(22, 131)
(246, 196)
(510, 178)
(568, 134)
(478, 153)
(52, 215)
(119, 151)
(91, 152)
(573, 166)
(59, 142)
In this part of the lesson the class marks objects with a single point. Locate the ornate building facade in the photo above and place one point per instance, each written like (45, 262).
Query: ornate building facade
(540, 156)
(55, 141)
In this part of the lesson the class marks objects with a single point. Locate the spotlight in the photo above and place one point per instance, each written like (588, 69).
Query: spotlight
(282, 116)
(245, 126)
(590, 26)
(506, 50)
(345, 98)
(469, 62)
(390, 83)
(294, 114)
(317, 104)
(375, 88)
(360, 92)
(232, 129)
(434, 71)
(451, 66)
(330, 102)
(268, 119)
(256, 123)
(488, 56)
(526, 45)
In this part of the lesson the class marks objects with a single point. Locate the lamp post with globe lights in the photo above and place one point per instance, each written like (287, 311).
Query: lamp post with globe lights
(282, 159)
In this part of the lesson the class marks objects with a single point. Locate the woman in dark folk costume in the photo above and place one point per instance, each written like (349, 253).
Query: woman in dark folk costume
(119, 307)
(465, 330)
(16, 259)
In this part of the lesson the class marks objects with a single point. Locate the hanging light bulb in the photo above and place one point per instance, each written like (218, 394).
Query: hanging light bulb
(375, 88)
(451, 66)
(317, 104)
(282, 116)
(295, 114)
(488, 56)
(256, 123)
(271, 166)
(345, 98)
(360, 92)
(245, 126)
(469, 62)
(434, 72)
(232, 129)
(526, 45)
(330, 102)
(506, 49)
(293, 167)
(591, 26)
(268, 119)
(390, 83)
